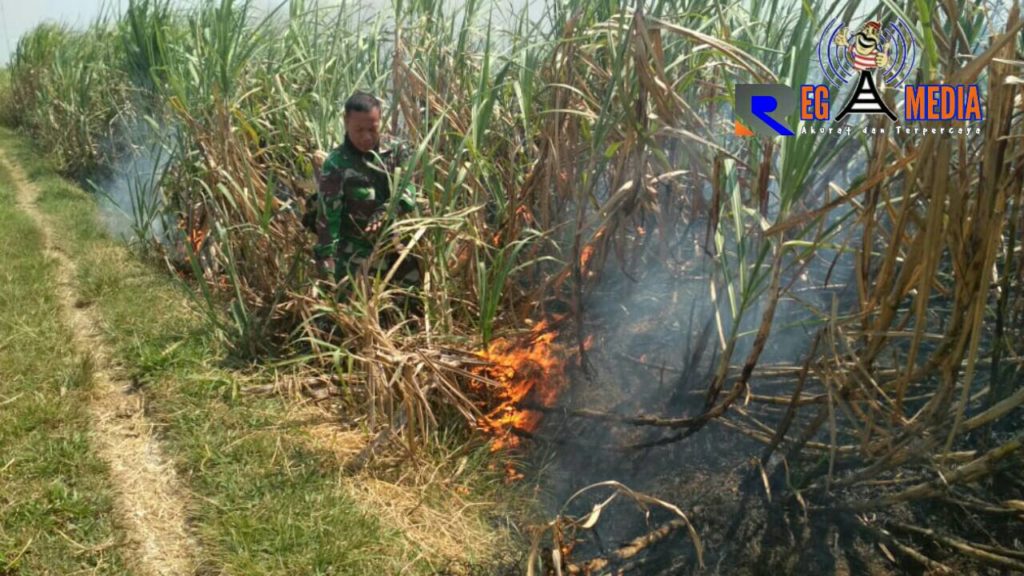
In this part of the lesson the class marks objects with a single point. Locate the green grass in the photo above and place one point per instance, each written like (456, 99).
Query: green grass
(7, 116)
(56, 512)
(264, 501)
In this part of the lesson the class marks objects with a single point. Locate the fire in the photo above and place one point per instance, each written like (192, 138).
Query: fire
(585, 255)
(527, 372)
(194, 234)
(195, 238)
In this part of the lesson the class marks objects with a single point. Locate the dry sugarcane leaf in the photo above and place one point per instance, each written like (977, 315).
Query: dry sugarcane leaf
(535, 536)
(595, 513)
(642, 499)
(764, 479)
(746, 61)
(887, 553)
(970, 72)
(1014, 504)
(556, 557)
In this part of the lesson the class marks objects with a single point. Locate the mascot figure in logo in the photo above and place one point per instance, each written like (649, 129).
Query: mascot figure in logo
(865, 52)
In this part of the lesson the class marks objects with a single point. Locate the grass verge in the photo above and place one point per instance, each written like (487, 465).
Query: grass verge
(268, 493)
(56, 513)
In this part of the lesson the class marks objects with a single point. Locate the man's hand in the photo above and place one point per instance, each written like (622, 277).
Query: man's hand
(376, 222)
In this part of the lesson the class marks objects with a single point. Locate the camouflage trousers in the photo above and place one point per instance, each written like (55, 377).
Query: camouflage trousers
(353, 259)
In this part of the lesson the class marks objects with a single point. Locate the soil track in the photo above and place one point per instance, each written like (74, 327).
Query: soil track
(150, 500)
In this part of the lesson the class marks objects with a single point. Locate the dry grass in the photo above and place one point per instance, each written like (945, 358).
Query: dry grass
(434, 501)
(448, 529)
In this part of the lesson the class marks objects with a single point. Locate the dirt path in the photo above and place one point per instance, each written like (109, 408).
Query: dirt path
(149, 497)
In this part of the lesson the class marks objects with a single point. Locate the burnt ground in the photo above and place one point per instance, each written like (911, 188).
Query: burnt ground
(712, 476)
(653, 355)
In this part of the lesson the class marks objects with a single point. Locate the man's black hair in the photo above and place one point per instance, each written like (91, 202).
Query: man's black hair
(361, 102)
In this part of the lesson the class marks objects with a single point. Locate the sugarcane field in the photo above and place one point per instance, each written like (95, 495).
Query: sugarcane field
(502, 288)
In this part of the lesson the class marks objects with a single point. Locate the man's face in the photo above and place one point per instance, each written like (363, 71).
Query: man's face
(363, 129)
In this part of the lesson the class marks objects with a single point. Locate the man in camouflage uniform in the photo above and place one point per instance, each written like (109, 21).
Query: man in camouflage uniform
(355, 195)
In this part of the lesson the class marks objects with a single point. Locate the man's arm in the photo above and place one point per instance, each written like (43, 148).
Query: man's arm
(329, 214)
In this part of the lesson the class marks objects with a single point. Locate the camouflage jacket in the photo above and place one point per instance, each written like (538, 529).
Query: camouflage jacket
(355, 187)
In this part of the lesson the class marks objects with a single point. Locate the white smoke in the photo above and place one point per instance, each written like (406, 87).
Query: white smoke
(131, 205)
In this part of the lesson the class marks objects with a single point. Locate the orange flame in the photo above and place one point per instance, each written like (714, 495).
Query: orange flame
(195, 234)
(585, 255)
(528, 371)
(195, 238)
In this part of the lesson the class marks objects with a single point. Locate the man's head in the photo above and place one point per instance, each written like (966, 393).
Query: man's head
(362, 121)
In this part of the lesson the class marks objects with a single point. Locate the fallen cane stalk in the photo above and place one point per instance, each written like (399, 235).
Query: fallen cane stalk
(882, 534)
(643, 501)
(966, 473)
(636, 546)
(990, 555)
(995, 412)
